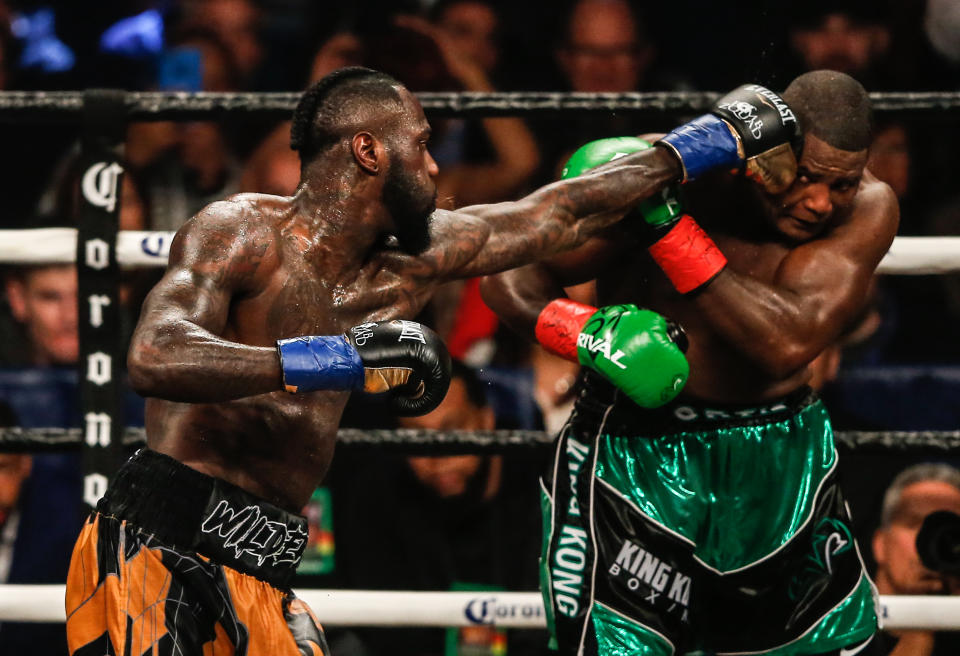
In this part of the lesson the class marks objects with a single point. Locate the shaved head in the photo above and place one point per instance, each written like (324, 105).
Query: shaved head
(833, 107)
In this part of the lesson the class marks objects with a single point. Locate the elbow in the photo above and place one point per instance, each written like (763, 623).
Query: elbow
(787, 356)
(144, 368)
(489, 288)
(492, 292)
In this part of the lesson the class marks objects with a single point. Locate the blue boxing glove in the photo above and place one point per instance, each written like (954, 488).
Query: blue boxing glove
(751, 129)
(404, 358)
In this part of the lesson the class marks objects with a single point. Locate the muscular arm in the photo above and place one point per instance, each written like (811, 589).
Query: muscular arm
(177, 352)
(519, 295)
(485, 239)
(818, 288)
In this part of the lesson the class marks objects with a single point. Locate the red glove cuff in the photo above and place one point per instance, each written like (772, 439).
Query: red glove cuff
(688, 256)
(559, 325)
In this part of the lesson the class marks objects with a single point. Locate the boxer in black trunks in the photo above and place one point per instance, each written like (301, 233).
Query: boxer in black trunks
(271, 311)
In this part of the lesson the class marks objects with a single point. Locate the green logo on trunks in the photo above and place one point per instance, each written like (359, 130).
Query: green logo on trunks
(831, 537)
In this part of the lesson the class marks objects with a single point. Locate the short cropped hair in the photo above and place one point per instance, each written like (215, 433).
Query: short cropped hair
(928, 471)
(833, 107)
(335, 104)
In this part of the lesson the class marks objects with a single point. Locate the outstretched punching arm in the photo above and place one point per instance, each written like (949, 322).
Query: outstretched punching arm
(484, 239)
(750, 129)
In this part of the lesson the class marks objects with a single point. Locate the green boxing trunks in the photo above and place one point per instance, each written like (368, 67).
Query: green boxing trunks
(699, 528)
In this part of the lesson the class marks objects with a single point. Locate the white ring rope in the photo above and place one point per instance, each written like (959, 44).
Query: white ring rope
(907, 255)
(509, 610)
(59, 246)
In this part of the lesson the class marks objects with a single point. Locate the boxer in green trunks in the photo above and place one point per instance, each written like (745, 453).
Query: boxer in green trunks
(713, 522)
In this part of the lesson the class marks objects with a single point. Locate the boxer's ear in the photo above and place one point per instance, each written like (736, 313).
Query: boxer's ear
(368, 152)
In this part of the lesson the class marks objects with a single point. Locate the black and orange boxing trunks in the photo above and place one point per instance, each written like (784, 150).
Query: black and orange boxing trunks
(176, 562)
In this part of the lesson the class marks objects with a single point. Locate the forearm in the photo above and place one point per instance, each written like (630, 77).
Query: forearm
(183, 362)
(565, 214)
(611, 188)
(779, 330)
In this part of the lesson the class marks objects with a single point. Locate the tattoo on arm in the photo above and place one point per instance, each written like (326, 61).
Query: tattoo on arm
(177, 351)
(556, 217)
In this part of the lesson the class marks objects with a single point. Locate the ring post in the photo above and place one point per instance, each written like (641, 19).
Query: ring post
(98, 284)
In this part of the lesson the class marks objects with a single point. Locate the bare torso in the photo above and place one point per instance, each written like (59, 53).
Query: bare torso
(721, 369)
(253, 269)
(719, 372)
(279, 445)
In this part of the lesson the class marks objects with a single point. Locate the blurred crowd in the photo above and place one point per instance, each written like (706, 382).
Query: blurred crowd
(464, 502)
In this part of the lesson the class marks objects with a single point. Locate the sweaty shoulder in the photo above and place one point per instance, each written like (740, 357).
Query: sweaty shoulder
(234, 239)
(876, 205)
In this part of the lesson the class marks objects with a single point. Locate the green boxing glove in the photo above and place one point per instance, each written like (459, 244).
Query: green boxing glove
(639, 351)
(687, 255)
(660, 210)
(600, 152)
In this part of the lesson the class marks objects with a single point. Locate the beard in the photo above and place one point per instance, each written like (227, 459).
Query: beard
(410, 204)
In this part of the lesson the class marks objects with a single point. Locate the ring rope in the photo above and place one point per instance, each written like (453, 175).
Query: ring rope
(139, 248)
(438, 442)
(507, 610)
(44, 603)
(45, 106)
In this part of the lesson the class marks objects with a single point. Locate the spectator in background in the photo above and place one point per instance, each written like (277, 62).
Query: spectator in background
(61, 198)
(915, 493)
(890, 156)
(36, 534)
(185, 166)
(605, 47)
(850, 37)
(500, 169)
(425, 56)
(481, 161)
(474, 28)
(273, 168)
(236, 24)
(941, 26)
(439, 523)
(43, 301)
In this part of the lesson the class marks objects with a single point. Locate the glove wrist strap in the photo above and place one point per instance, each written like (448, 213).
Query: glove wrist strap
(320, 362)
(559, 325)
(705, 143)
(688, 256)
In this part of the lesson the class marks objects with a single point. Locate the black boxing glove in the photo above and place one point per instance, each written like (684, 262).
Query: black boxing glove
(404, 358)
(751, 129)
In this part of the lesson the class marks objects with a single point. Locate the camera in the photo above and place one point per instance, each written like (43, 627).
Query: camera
(938, 542)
